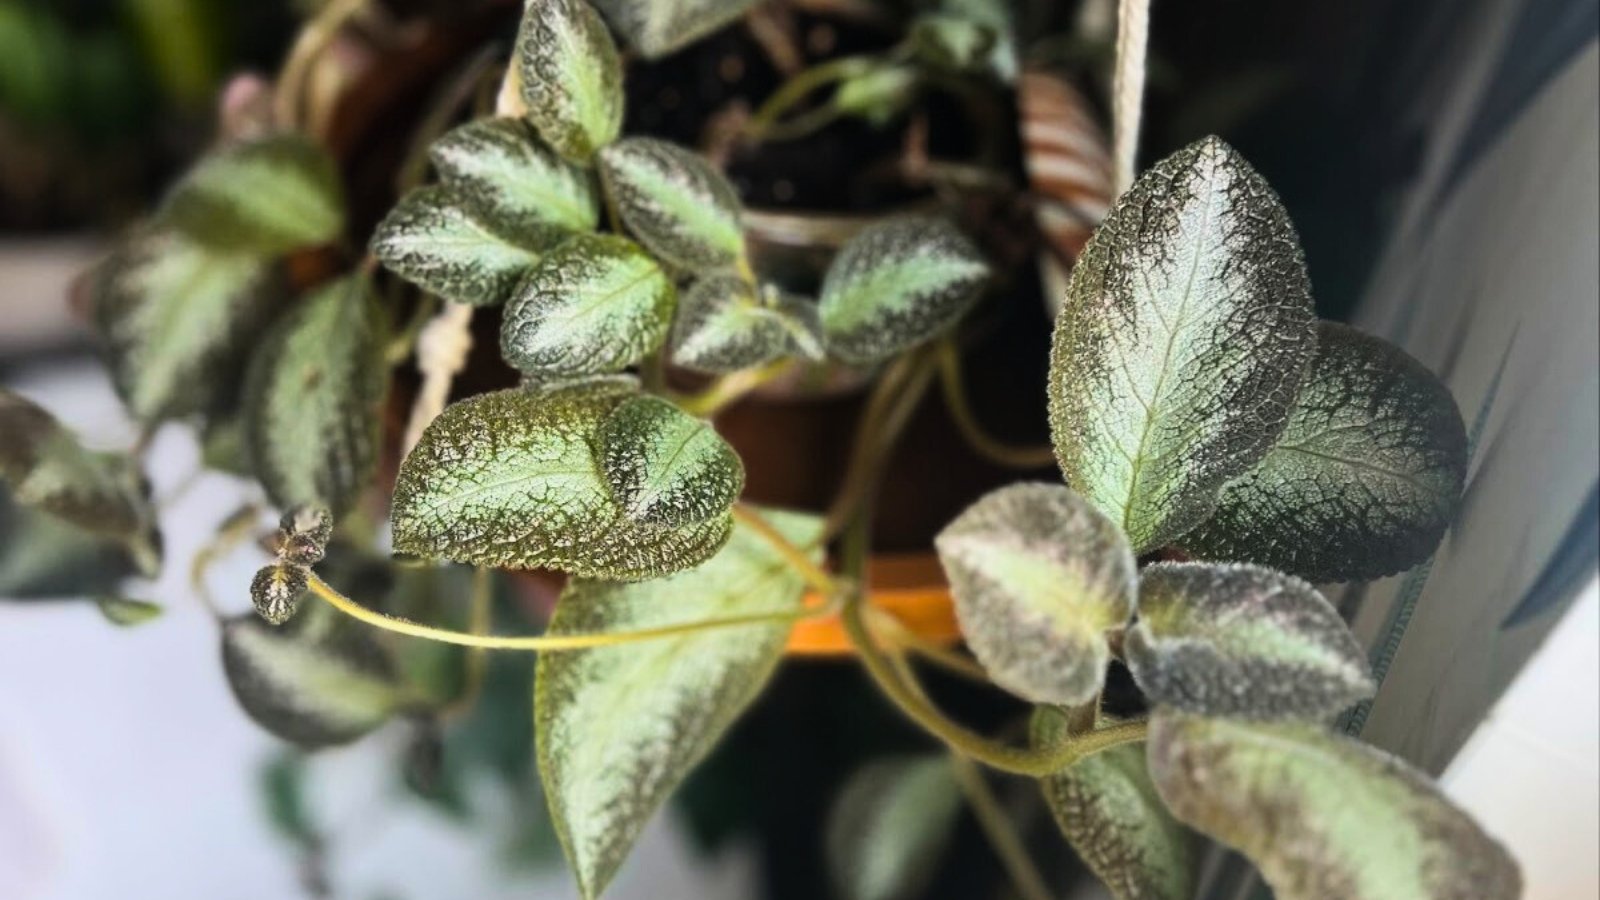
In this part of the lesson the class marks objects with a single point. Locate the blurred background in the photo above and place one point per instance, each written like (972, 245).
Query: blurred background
(1441, 159)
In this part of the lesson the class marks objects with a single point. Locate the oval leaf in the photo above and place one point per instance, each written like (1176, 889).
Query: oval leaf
(724, 325)
(571, 76)
(890, 825)
(313, 398)
(1108, 810)
(674, 203)
(1039, 577)
(513, 479)
(1322, 815)
(266, 196)
(1185, 333)
(897, 284)
(434, 239)
(667, 467)
(44, 557)
(501, 169)
(618, 728)
(596, 304)
(126, 612)
(656, 29)
(1363, 481)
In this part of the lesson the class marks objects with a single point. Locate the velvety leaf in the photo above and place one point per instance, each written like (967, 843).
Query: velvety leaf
(514, 479)
(266, 196)
(177, 320)
(596, 304)
(656, 28)
(303, 534)
(1322, 815)
(1108, 810)
(667, 467)
(724, 325)
(501, 169)
(316, 681)
(126, 612)
(47, 469)
(889, 826)
(1184, 336)
(1364, 479)
(313, 398)
(674, 203)
(571, 76)
(44, 557)
(276, 591)
(618, 728)
(897, 284)
(1039, 576)
(436, 240)
(1243, 641)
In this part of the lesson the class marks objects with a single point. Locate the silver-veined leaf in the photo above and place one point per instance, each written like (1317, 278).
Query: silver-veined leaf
(1243, 641)
(1039, 576)
(570, 75)
(666, 467)
(514, 479)
(618, 728)
(1108, 810)
(889, 826)
(500, 168)
(1185, 334)
(313, 398)
(126, 612)
(725, 325)
(897, 284)
(596, 304)
(674, 203)
(656, 28)
(266, 196)
(1323, 815)
(1363, 481)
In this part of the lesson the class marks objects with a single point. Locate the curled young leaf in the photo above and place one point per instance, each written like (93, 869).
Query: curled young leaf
(571, 76)
(1364, 479)
(674, 203)
(265, 197)
(666, 467)
(436, 240)
(618, 728)
(656, 29)
(1039, 576)
(1322, 815)
(1243, 641)
(724, 325)
(1184, 336)
(1108, 810)
(897, 284)
(596, 304)
(499, 168)
(889, 825)
(126, 612)
(952, 42)
(303, 534)
(276, 591)
(313, 396)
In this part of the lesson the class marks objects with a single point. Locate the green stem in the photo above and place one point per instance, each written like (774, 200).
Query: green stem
(887, 412)
(998, 829)
(731, 387)
(797, 558)
(955, 398)
(799, 87)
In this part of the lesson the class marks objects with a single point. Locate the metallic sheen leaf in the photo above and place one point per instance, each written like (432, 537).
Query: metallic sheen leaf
(514, 479)
(501, 169)
(435, 239)
(724, 325)
(571, 76)
(313, 398)
(889, 825)
(1322, 815)
(1363, 481)
(1039, 577)
(674, 203)
(617, 728)
(1108, 810)
(897, 284)
(1243, 641)
(666, 467)
(596, 304)
(656, 28)
(266, 196)
(1184, 336)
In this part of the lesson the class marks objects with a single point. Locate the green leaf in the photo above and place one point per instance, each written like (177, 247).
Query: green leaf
(618, 728)
(1108, 810)
(1185, 333)
(878, 94)
(316, 681)
(177, 319)
(501, 169)
(44, 557)
(126, 612)
(436, 240)
(674, 203)
(596, 304)
(897, 284)
(724, 325)
(1243, 641)
(267, 196)
(666, 467)
(1363, 481)
(514, 479)
(571, 76)
(1322, 815)
(657, 28)
(283, 793)
(313, 398)
(952, 42)
(104, 494)
(889, 826)
(277, 589)
(1039, 576)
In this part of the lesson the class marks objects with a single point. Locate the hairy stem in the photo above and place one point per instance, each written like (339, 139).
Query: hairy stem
(1127, 87)
(797, 558)
(800, 87)
(729, 388)
(477, 662)
(887, 413)
(315, 36)
(955, 398)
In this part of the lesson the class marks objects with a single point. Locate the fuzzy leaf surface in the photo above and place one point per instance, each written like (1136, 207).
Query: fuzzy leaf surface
(1185, 334)
(666, 467)
(674, 203)
(267, 196)
(656, 28)
(889, 825)
(435, 239)
(725, 325)
(500, 168)
(571, 76)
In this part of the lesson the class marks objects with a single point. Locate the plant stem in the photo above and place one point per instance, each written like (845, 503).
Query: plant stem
(477, 662)
(798, 88)
(955, 398)
(1127, 86)
(317, 33)
(797, 558)
(731, 387)
(897, 633)
(887, 413)
(233, 530)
